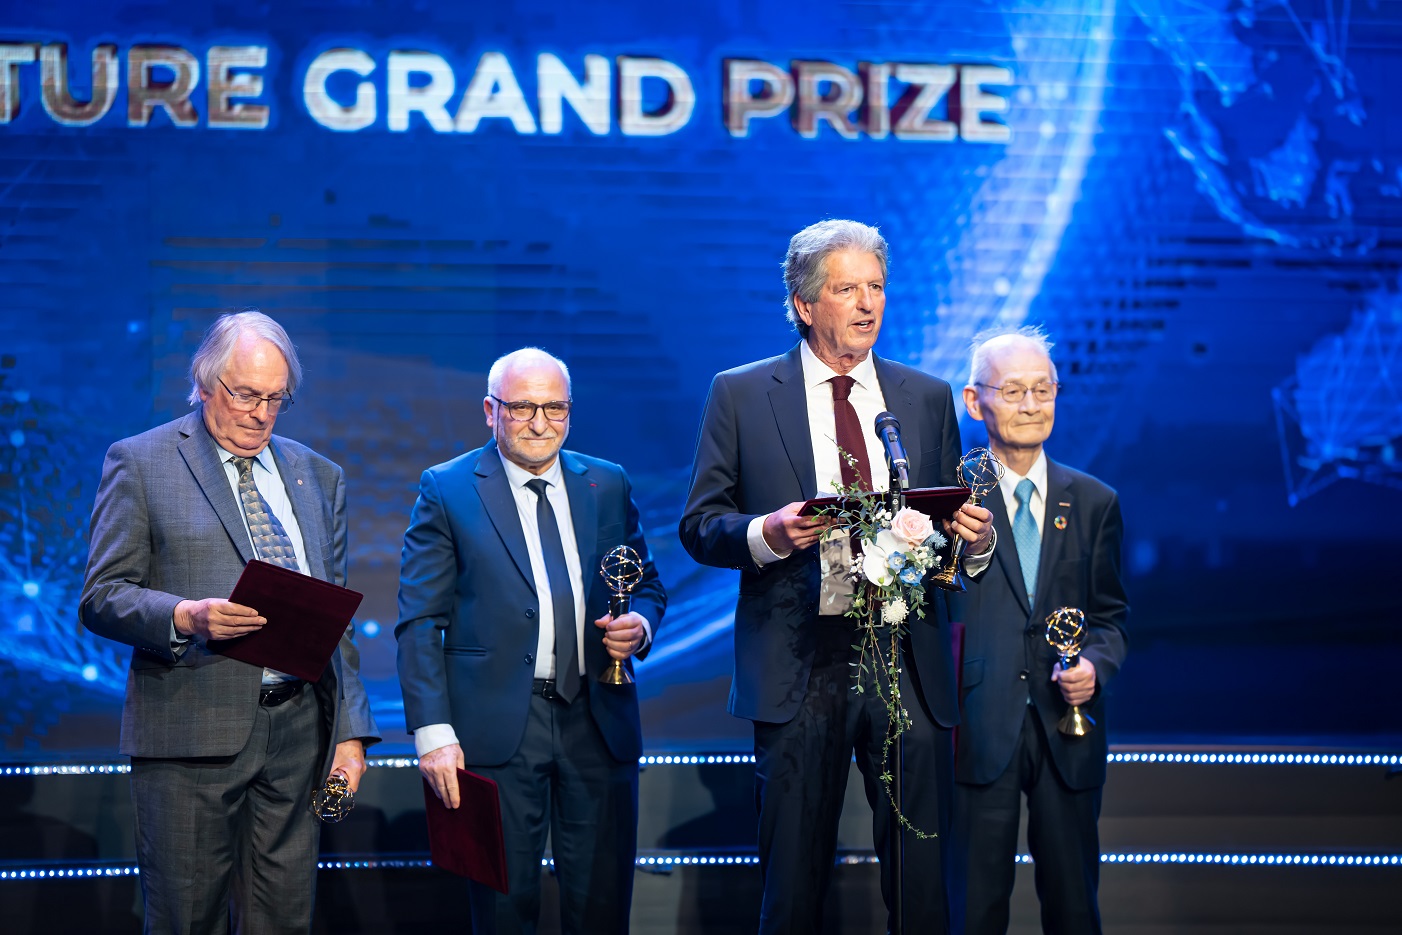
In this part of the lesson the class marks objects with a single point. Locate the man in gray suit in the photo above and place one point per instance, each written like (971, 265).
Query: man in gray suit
(225, 756)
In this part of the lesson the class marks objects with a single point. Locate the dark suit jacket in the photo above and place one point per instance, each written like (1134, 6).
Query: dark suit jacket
(1004, 637)
(753, 456)
(468, 607)
(166, 526)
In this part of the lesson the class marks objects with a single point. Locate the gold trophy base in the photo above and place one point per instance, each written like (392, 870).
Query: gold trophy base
(1075, 722)
(949, 578)
(616, 674)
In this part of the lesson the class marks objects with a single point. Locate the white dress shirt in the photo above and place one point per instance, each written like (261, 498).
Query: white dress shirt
(432, 736)
(269, 483)
(1037, 474)
(866, 398)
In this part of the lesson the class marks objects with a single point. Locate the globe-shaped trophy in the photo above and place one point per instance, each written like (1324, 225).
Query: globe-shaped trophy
(1066, 632)
(333, 801)
(980, 471)
(621, 570)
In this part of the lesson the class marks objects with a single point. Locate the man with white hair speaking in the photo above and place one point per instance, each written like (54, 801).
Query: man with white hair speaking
(225, 756)
(1060, 532)
(504, 631)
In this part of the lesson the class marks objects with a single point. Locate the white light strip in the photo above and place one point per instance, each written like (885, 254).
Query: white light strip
(1223, 758)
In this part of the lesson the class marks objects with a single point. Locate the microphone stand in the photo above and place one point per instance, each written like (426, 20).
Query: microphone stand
(896, 498)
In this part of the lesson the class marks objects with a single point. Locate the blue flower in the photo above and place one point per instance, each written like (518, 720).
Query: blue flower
(936, 540)
(910, 575)
(896, 561)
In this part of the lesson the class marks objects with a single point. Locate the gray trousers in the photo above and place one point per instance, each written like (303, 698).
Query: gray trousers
(230, 840)
(563, 782)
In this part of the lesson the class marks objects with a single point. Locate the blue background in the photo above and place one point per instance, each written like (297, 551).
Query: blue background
(1200, 201)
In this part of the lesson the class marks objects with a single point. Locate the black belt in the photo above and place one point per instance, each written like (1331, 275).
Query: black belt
(274, 695)
(545, 688)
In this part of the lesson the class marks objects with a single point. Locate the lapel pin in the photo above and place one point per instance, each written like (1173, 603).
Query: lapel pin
(1064, 504)
(1059, 522)
(299, 482)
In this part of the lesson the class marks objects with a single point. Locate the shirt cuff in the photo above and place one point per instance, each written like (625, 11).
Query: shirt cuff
(760, 551)
(432, 736)
(975, 564)
(177, 642)
(647, 628)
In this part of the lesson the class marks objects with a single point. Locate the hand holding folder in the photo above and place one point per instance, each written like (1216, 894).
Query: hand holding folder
(306, 618)
(468, 840)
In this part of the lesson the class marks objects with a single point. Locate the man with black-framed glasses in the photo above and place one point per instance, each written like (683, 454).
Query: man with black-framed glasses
(225, 756)
(504, 631)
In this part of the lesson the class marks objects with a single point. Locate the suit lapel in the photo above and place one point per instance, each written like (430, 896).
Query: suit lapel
(900, 402)
(500, 504)
(306, 506)
(1059, 490)
(202, 458)
(789, 398)
(1006, 552)
(584, 515)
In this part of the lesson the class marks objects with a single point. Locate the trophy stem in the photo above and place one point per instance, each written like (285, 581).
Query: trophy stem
(949, 577)
(1075, 722)
(617, 674)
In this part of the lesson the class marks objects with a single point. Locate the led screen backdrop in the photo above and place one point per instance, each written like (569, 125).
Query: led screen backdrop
(1199, 200)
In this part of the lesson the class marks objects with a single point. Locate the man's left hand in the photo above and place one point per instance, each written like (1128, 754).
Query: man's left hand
(1077, 683)
(350, 762)
(624, 636)
(974, 525)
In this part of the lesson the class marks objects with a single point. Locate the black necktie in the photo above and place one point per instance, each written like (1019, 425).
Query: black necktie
(561, 593)
(849, 435)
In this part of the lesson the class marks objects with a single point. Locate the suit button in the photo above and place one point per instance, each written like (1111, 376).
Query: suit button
(530, 613)
(530, 659)
(1022, 675)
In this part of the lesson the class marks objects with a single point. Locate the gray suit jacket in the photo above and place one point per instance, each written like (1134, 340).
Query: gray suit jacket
(166, 527)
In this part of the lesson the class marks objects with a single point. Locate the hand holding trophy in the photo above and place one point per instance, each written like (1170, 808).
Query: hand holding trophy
(980, 471)
(1066, 632)
(621, 570)
(333, 801)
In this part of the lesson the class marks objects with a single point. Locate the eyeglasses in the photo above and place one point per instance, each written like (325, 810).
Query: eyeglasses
(247, 402)
(523, 410)
(1014, 392)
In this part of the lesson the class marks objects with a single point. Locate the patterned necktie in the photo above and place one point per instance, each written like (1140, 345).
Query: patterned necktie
(270, 541)
(849, 435)
(561, 593)
(1029, 541)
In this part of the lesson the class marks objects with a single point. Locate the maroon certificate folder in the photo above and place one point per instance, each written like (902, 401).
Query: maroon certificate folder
(935, 502)
(306, 618)
(467, 840)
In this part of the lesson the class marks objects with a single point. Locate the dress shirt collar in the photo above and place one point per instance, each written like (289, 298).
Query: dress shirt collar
(1037, 474)
(264, 457)
(816, 372)
(519, 477)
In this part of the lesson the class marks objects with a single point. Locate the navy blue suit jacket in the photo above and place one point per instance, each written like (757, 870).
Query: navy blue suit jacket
(469, 614)
(1004, 637)
(753, 456)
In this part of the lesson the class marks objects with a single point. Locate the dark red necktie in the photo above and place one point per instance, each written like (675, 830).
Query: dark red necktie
(849, 435)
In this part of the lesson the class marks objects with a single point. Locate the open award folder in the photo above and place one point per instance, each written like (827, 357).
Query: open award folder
(935, 502)
(306, 618)
(468, 840)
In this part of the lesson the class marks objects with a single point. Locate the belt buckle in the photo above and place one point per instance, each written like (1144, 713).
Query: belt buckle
(548, 692)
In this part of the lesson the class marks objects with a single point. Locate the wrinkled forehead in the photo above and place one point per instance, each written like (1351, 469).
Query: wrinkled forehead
(536, 380)
(1018, 359)
(853, 266)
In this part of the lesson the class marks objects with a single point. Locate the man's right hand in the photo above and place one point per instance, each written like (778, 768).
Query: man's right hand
(216, 619)
(440, 767)
(785, 530)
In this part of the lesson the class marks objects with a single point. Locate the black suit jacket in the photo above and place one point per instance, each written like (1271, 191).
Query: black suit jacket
(1004, 637)
(753, 456)
(468, 610)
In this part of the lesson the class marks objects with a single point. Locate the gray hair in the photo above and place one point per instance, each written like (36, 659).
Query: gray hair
(1033, 336)
(523, 355)
(806, 265)
(212, 356)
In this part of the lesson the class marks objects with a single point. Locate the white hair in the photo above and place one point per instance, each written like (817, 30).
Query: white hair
(524, 355)
(1031, 336)
(806, 264)
(213, 354)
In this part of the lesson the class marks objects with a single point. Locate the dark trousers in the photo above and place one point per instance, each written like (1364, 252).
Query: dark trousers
(231, 838)
(801, 774)
(1061, 834)
(563, 782)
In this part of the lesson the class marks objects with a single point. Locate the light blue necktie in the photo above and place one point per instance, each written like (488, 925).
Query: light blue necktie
(1025, 534)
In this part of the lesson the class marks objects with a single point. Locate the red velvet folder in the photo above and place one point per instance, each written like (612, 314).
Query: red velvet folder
(306, 618)
(467, 840)
(935, 502)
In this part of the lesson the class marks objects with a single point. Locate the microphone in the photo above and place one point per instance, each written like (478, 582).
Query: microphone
(888, 429)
